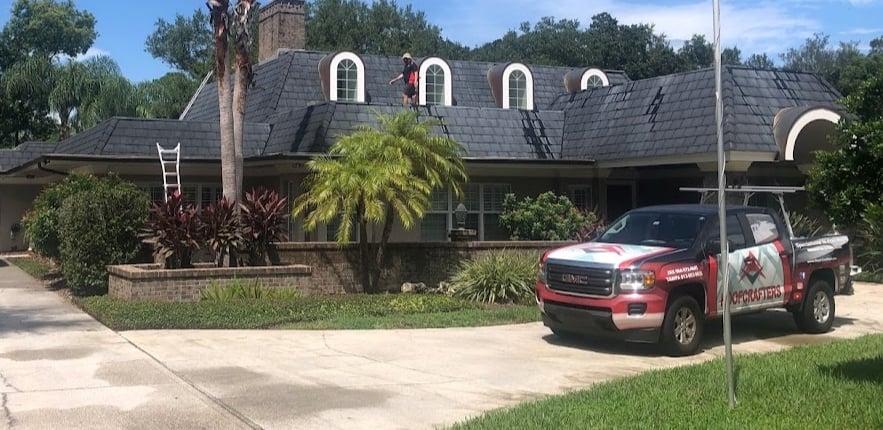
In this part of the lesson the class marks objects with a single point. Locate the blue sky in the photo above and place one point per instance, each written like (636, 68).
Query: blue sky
(755, 26)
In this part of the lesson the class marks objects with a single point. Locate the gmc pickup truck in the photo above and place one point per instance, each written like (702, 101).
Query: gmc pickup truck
(652, 276)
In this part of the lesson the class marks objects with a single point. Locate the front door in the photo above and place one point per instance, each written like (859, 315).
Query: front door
(620, 199)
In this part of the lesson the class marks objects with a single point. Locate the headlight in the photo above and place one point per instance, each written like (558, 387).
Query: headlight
(636, 280)
(541, 275)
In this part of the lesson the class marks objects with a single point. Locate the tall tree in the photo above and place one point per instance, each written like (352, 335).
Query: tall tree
(760, 61)
(847, 181)
(243, 17)
(375, 176)
(37, 32)
(221, 29)
(843, 66)
(185, 44)
(167, 96)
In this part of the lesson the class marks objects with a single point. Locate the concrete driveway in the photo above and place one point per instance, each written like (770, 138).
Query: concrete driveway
(61, 369)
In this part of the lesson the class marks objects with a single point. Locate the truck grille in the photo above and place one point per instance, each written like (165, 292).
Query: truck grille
(580, 280)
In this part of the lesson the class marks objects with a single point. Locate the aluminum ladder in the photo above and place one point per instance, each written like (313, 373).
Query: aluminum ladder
(170, 160)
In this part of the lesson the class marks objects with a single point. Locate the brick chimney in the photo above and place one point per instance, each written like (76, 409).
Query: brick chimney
(282, 27)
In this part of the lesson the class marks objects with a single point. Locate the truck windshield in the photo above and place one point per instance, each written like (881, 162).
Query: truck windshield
(655, 229)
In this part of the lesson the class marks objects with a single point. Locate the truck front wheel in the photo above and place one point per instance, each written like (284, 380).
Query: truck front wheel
(682, 327)
(816, 313)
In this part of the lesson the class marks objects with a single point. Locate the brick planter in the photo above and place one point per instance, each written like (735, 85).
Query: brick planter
(150, 282)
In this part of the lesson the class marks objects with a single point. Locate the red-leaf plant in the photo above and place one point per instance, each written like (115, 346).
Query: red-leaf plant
(173, 226)
(222, 230)
(264, 216)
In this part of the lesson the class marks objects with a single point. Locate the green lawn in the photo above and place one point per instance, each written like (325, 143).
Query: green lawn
(37, 268)
(355, 311)
(832, 386)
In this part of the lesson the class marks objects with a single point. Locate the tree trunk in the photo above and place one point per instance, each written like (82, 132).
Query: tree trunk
(242, 15)
(221, 29)
(381, 248)
(366, 262)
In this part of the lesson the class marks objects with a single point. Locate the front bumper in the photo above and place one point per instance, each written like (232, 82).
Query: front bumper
(593, 322)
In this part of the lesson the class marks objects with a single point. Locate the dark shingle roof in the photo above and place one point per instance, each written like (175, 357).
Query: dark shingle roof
(485, 133)
(675, 114)
(132, 137)
(291, 81)
(21, 154)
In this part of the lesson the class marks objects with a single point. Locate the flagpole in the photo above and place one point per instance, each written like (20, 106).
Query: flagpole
(724, 279)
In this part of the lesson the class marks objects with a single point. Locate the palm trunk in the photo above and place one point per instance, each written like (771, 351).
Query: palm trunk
(365, 260)
(242, 15)
(381, 248)
(228, 154)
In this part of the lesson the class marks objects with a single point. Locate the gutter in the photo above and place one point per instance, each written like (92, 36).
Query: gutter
(42, 166)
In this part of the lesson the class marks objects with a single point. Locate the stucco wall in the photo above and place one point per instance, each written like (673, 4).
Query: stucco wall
(15, 200)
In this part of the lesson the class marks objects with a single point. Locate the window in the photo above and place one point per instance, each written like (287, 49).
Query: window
(517, 87)
(435, 85)
(434, 226)
(734, 233)
(200, 195)
(483, 202)
(655, 229)
(763, 227)
(594, 78)
(347, 81)
(435, 82)
(518, 90)
(332, 226)
(347, 78)
(581, 196)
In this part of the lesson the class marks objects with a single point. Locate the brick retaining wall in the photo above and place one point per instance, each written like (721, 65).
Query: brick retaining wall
(312, 268)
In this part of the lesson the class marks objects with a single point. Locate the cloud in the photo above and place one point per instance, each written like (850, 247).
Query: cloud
(861, 31)
(92, 53)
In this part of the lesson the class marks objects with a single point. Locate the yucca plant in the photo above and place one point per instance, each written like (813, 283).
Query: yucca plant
(222, 230)
(173, 226)
(248, 290)
(499, 276)
(264, 215)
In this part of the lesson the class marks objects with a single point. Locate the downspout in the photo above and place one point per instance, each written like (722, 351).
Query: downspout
(42, 166)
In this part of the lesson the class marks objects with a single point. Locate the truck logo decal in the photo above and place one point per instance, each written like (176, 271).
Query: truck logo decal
(575, 279)
(751, 268)
(616, 249)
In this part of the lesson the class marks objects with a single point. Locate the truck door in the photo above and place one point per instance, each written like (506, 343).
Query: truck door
(757, 273)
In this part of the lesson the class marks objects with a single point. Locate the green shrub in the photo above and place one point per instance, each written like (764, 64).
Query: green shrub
(245, 290)
(99, 227)
(806, 225)
(41, 223)
(548, 217)
(499, 276)
(868, 246)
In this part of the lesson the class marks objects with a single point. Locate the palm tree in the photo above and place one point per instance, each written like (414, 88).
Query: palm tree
(220, 21)
(243, 14)
(80, 94)
(373, 176)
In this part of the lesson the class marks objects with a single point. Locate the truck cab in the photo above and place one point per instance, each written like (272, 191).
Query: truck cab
(652, 276)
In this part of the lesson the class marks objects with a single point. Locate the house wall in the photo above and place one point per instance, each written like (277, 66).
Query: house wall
(15, 201)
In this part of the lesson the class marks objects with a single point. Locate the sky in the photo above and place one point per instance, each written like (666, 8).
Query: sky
(755, 26)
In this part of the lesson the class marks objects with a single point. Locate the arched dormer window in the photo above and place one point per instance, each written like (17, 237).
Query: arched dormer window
(594, 78)
(347, 78)
(517, 87)
(435, 82)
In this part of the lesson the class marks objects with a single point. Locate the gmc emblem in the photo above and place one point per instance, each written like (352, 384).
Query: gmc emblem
(575, 279)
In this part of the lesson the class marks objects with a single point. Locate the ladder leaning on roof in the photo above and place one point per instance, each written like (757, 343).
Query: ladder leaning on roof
(170, 159)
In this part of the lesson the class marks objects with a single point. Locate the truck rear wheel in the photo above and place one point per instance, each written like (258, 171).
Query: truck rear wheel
(683, 327)
(816, 313)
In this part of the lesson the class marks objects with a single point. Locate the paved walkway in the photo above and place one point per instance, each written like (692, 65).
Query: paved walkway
(60, 368)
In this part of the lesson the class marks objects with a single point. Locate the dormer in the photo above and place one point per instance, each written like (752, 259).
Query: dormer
(436, 82)
(343, 77)
(512, 86)
(583, 79)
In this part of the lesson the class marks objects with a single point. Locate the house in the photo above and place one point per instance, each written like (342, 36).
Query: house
(608, 142)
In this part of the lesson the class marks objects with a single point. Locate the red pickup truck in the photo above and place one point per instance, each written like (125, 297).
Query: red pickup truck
(652, 276)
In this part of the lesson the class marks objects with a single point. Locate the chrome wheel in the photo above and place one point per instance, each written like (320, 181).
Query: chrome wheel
(685, 326)
(821, 307)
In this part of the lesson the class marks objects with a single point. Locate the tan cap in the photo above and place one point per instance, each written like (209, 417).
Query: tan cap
(407, 55)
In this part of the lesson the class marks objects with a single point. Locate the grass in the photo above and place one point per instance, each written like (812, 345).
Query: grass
(832, 386)
(37, 268)
(337, 312)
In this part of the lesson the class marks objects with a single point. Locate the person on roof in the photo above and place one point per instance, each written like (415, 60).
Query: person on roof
(409, 75)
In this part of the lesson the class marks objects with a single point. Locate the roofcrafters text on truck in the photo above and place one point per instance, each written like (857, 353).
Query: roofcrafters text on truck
(652, 276)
